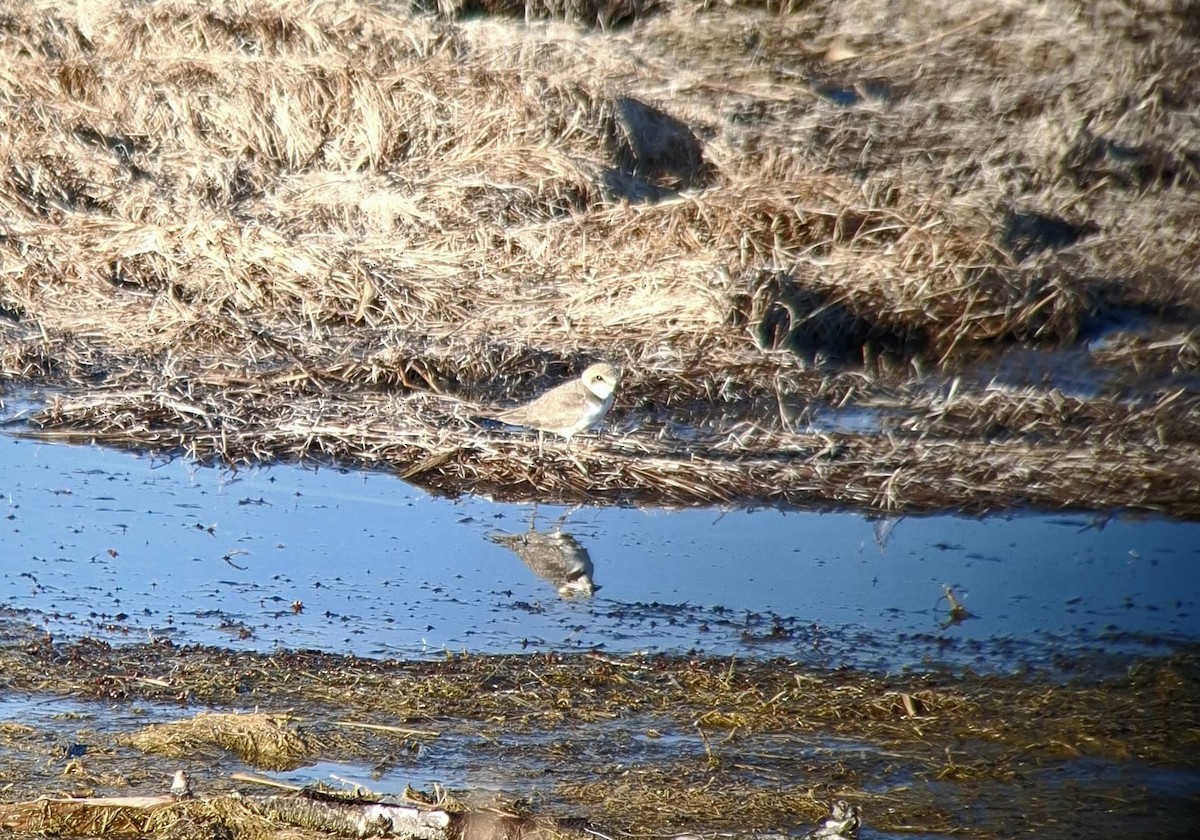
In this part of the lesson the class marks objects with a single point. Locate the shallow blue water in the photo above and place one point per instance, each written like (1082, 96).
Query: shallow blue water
(107, 543)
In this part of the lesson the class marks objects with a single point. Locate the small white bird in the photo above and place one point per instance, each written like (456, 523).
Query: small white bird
(180, 786)
(570, 408)
(842, 823)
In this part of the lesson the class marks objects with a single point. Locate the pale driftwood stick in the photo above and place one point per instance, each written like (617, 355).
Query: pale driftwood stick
(357, 819)
(416, 822)
(139, 802)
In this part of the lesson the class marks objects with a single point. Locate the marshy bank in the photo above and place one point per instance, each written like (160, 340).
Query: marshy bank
(877, 258)
(334, 231)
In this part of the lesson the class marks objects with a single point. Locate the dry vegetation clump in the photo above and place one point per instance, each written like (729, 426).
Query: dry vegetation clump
(270, 742)
(81, 818)
(267, 229)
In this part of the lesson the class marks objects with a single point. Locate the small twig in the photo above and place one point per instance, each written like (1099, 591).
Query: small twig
(264, 781)
(396, 730)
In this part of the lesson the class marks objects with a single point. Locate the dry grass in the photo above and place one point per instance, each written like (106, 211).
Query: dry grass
(263, 230)
(270, 742)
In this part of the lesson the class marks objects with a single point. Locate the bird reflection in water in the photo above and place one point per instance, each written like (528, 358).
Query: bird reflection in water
(553, 555)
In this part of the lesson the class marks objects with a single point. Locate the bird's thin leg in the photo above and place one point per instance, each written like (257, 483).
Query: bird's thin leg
(571, 455)
(562, 520)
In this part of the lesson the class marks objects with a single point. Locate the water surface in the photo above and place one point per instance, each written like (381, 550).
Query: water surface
(117, 545)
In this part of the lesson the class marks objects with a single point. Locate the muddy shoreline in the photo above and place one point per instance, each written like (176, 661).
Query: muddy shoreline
(744, 744)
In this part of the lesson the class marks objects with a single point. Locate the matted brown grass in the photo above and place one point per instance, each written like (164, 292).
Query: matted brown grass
(271, 742)
(260, 230)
